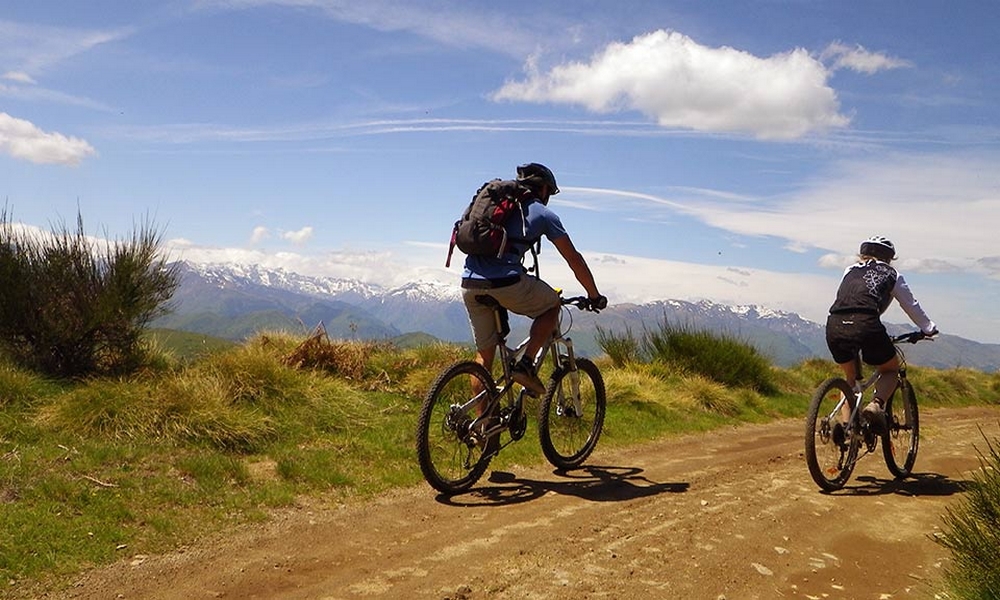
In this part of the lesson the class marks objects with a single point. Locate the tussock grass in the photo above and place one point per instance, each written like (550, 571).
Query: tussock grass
(721, 358)
(972, 533)
(622, 349)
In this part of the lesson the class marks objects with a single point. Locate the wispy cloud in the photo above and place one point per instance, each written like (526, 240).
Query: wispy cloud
(680, 83)
(933, 206)
(35, 93)
(28, 49)
(455, 24)
(623, 194)
(857, 58)
(18, 76)
(189, 133)
(23, 140)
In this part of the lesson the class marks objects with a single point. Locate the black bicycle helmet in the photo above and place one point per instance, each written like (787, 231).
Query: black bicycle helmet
(879, 247)
(534, 175)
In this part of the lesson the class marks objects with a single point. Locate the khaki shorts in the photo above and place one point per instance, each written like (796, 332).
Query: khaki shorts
(530, 297)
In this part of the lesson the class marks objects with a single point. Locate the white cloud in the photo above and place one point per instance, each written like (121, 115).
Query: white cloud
(937, 209)
(680, 83)
(298, 237)
(934, 208)
(22, 139)
(859, 59)
(638, 279)
(259, 234)
(383, 267)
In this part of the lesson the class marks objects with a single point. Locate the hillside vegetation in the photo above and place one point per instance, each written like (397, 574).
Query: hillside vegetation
(203, 439)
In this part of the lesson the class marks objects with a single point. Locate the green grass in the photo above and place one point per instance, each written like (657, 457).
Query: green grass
(93, 471)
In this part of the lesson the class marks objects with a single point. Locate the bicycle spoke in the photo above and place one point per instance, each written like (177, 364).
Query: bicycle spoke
(571, 415)
(899, 444)
(451, 454)
(832, 442)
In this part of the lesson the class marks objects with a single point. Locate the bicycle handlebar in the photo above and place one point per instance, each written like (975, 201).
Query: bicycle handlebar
(912, 337)
(581, 302)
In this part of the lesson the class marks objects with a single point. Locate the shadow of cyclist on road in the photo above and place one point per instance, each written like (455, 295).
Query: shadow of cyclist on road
(594, 483)
(918, 484)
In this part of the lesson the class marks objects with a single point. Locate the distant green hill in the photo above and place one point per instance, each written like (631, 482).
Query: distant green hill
(186, 345)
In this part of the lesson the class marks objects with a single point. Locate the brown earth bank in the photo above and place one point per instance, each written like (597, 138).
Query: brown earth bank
(730, 514)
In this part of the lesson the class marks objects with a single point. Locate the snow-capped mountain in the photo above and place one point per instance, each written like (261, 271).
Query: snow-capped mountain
(244, 276)
(234, 301)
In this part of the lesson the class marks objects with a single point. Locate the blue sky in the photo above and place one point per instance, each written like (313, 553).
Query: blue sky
(727, 150)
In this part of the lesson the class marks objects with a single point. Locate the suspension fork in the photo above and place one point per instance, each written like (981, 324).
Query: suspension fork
(561, 347)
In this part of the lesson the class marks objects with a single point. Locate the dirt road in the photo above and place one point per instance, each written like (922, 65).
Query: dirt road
(731, 514)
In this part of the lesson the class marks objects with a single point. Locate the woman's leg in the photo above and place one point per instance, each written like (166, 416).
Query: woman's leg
(887, 379)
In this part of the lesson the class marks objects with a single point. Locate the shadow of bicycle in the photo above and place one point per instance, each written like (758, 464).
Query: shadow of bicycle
(594, 483)
(918, 484)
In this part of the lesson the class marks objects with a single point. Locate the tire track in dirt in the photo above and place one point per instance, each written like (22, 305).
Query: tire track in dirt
(729, 514)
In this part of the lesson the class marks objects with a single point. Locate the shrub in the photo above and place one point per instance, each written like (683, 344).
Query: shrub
(621, 348)
(70, 307)
(972, 533)
(722, 359)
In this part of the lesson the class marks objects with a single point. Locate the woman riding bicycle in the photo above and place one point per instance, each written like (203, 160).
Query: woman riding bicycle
(854, 324)
(505, 278)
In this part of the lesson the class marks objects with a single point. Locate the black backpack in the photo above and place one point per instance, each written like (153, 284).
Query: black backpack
(481, 229)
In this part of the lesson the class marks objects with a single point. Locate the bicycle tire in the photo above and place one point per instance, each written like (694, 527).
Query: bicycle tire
(830, 455)
(902, 436)
(449, 458)
(568, 438)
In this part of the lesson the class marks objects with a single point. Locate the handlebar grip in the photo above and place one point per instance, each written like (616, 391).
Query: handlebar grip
(585, 303)
(912, 337)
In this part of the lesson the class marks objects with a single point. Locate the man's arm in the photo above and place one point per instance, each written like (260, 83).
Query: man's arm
(577, 263)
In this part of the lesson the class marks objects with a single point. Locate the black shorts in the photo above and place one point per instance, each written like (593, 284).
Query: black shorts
(847, 334)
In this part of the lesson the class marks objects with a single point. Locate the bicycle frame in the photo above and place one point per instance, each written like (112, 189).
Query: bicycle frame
(861, 387)
(563, 356)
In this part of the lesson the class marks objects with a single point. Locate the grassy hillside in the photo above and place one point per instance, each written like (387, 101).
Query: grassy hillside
(213, 435)
(187, 346)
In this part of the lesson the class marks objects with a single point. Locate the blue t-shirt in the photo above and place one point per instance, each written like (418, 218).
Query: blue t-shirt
(537, 221)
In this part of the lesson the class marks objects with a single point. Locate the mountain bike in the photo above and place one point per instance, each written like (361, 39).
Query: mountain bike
(836, 432)
(466, 411)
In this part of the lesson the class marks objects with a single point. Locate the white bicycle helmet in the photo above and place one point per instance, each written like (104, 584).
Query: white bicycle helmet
(879, 247)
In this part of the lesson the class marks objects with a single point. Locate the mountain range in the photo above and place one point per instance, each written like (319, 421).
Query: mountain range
(235, 301)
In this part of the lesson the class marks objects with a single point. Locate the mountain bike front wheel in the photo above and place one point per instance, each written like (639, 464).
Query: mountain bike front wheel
(902, 436)
(832, 441)
(571, 414)
(451, 457)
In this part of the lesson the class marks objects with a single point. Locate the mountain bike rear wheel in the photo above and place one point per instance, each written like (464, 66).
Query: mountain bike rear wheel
(832, 442)
(571, 414)
(899, 443)
(451, 457)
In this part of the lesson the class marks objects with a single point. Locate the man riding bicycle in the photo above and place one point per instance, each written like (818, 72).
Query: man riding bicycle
(866, 290)
(507, 281)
